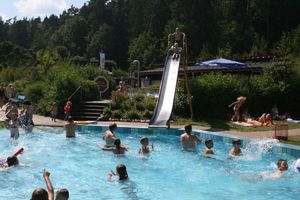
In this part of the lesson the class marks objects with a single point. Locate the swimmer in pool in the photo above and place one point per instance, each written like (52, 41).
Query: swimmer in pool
(62, 194)
(41, 193)
(189, 141)
(117, 149)
(144, 149)
(236, 148)
(121, 172)
(109, 136)
(11, 161)
(208, 147)
(282, 166)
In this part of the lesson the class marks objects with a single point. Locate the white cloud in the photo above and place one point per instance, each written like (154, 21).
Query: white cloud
(42, 8)
(3, 16)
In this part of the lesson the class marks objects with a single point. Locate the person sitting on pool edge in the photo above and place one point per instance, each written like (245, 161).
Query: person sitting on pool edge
(144, 149)
(208, 147)
(42, 194)
(121, 172)
(189, 141)
(109, 135)
(70, 127)
(236, 148)
(117, 149)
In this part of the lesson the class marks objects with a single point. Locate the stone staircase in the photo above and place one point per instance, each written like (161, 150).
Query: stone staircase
(89, 110)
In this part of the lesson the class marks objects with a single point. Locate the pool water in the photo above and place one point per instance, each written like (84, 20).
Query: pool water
(168, 173)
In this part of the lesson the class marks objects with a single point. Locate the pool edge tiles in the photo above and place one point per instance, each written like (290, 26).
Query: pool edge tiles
(292, 150)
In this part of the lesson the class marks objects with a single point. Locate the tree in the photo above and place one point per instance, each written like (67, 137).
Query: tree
(72, 34)
(143, 49)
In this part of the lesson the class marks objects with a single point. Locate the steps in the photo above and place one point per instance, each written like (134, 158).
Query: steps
(89, 110)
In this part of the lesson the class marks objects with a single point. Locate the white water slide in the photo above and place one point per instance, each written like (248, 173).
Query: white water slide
(167, 89)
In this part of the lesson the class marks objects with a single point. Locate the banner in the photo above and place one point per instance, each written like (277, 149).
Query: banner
(102, 60)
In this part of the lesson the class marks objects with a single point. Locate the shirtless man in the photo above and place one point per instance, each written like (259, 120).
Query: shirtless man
(70, 127)
(189, 141)
(109, 136)
(177, 37)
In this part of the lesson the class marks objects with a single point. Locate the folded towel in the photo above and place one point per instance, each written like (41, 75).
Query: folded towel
(292, 120)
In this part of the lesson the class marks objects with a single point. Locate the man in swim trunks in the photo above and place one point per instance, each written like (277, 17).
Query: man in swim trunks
(109, 136)
(189, 141)
(70, 127)
(176, 37)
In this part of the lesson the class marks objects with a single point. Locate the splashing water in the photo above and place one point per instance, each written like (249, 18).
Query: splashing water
(257, 148)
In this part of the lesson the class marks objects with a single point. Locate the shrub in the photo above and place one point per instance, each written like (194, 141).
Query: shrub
(150, 103)
(147, 114)
(212, 93)
(79, 60)
(132, 114)
(107, 111)
(117, 114)
(140, 106)
(35, 91)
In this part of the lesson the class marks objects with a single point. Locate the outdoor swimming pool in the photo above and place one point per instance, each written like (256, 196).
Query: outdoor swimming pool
(168, 173)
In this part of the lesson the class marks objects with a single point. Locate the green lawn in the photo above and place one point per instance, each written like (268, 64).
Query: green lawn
(227, 125)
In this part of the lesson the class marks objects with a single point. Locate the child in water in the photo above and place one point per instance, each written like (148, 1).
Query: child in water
(117, 149)
(121, 172)
(208, 147)
(11, 160)
(144, 149)
(236, 148)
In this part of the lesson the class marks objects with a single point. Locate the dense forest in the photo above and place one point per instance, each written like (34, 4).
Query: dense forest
(137, 29)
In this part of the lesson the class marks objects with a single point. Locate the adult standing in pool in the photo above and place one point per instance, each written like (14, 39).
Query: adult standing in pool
(189, 141)
(109, 136)
(70, 127)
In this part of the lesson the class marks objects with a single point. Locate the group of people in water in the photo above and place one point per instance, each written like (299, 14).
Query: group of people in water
(189, 142)
(13, 119)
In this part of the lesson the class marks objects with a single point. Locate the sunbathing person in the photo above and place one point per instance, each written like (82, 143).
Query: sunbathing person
(236, 108)
(264, 120)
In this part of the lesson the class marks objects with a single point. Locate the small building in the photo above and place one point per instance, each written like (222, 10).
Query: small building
(223, 66)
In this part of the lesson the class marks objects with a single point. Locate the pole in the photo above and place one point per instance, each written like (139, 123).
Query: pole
(138, 71)
(185, 65)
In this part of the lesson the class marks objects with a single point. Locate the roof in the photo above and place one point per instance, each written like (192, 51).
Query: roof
(221, 62)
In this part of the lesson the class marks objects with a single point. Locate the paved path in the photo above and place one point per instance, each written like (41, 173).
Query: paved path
(46, 121)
